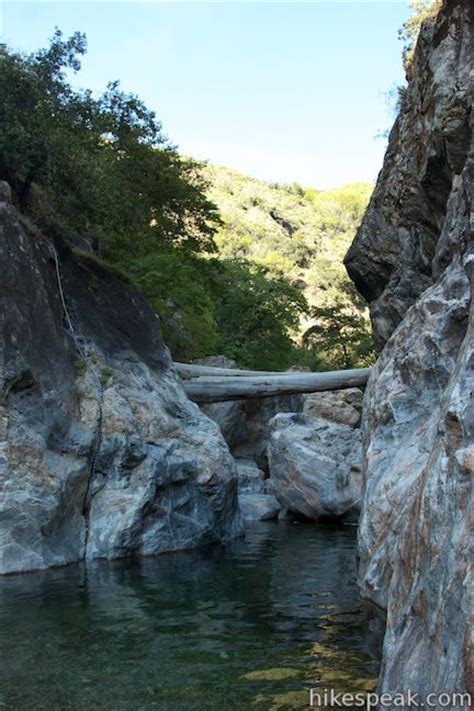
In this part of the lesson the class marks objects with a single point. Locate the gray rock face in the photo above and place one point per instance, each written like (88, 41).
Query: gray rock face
(315, 465)
(391, 258)
(249, 477)
(415, 537)
(156, 476)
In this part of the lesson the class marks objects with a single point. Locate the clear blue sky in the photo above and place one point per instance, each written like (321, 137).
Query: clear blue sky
(282, 91)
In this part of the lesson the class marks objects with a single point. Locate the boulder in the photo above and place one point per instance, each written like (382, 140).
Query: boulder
(245, 423)
(249, 477)
(258, 507)
(315, 465)
(343, 406)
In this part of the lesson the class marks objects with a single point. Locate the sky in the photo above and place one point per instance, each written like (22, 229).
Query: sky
(281, 91)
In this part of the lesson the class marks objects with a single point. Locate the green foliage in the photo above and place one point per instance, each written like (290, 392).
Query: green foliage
(177, 284)
(421, 10)
(103, 163)
(79, 365)
(300, 236)
(256, 316)
(211, 306)
(106, 372)
(341, 337)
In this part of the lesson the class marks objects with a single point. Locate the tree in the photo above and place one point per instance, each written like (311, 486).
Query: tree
(256, 315)
(35, 112)
(104, 163)
(340, 336)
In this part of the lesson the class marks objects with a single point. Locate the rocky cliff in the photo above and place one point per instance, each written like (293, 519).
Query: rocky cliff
(101, 452)
(413, 259)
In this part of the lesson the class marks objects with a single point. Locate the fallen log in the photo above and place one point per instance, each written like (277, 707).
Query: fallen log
(219, 389)
(191, 370)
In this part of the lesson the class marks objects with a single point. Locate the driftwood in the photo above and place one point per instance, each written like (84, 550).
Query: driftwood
(240, 385)
(190, 370)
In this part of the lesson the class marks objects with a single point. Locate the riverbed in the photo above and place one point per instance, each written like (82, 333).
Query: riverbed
(251, 625)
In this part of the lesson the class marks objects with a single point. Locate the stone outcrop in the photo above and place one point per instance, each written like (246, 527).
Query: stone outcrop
(315, 465)
(413, 258)
(101, 452)
(391, 258)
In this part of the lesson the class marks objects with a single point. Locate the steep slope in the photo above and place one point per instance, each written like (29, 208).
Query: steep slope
(299, 233)
(413, 259)
(102, 454)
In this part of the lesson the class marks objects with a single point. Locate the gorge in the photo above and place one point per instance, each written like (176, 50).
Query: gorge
(103, 456)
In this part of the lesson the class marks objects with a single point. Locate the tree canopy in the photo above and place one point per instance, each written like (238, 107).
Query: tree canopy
(103, 162)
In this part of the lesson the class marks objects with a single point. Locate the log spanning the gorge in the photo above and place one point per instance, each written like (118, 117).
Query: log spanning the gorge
(240, 385)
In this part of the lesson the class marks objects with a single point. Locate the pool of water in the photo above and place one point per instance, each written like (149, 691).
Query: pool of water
(251, 625)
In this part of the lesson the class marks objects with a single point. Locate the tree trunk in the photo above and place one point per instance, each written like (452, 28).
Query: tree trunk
(243, 386)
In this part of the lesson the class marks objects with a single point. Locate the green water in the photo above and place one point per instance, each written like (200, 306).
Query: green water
(252, 625)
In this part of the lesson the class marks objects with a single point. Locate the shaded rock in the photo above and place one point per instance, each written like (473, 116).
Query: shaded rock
(315, 465)
(343, 406)
(258, 507)
(250, 478)
(391, 258)
(152, 474)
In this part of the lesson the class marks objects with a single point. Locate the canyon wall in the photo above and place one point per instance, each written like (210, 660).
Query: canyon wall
(413, 259)
(101, 452)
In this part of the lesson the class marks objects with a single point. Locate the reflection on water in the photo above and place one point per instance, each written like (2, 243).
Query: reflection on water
(252, 625)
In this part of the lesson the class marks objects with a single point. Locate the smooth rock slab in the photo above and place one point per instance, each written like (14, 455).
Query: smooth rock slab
(315, 465)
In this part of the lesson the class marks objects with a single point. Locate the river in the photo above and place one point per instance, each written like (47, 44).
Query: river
(251, 625)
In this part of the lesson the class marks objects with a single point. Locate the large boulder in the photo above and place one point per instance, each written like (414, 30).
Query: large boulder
(101, 452)
(315, 465)
(416, 249)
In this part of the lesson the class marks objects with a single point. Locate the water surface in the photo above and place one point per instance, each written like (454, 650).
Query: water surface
(252, 625)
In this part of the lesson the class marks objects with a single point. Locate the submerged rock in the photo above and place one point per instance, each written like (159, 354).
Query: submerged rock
(413, 258)
(101, 452)
(315, 465)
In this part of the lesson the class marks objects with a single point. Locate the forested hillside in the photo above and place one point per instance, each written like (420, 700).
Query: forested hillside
(231, 264)
(300, 235)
